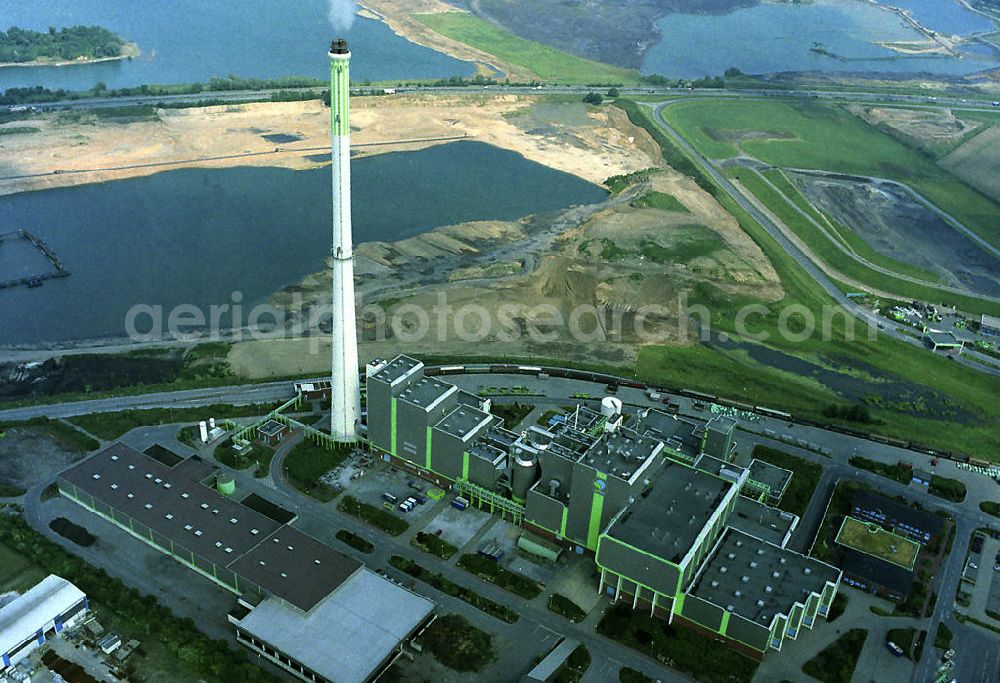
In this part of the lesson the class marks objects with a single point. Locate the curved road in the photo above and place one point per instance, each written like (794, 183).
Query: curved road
(861, 313)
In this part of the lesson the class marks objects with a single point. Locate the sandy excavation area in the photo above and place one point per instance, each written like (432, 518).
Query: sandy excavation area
(594, 144)
(608, 264)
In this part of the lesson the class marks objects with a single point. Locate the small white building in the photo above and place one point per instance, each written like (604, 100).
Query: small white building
(41, 613)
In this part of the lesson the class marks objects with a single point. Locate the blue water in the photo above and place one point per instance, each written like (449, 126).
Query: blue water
(773, 38)
(184, 41)
(195, 236)
(946, 16)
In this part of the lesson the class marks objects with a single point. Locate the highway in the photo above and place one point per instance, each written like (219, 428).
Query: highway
(237, 96)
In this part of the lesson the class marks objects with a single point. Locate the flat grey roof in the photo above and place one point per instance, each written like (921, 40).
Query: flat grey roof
(181, 509)
(621, 454)
(398, 367)
(943, 338)
(426, 392)
(674, 432)
(271, 428)
(296, 567)
(765, 522)
(221, 530)
(462, 421)
(774, 477)
(667, 521)
(350, 633)
(721, 424)
(544, 670)
(757, 580)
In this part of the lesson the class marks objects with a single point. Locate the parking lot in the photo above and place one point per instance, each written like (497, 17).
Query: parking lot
(986, 592)
(380, 479)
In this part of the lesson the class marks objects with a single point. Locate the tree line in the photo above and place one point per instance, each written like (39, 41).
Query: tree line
(214, 659)
(18, 45)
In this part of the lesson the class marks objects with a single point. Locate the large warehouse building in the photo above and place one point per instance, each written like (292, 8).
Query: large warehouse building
(651, 495)
(288, 581)
(28, 620)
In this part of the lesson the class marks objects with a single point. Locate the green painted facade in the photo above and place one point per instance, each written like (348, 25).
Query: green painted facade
(340, 92)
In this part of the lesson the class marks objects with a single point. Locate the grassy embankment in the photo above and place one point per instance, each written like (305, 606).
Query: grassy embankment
(946, 405)
(110, 426)
(549, 64)
(809, 135)
(812, 136)
(89, 376)
(63, 434)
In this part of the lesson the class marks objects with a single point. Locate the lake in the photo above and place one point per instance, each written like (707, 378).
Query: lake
(184, 41)
(946, 16)
(772, 38)
(197, 235)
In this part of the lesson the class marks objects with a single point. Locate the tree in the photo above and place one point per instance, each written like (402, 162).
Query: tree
(613, 93)
(593, 98)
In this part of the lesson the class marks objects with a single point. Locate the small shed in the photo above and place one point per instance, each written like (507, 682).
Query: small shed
(943, 341)
(271, 432)
(538, 546)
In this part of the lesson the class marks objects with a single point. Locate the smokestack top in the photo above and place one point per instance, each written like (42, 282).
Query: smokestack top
(339, 47)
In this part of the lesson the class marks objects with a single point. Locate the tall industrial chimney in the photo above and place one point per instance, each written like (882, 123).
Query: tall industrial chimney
(345, 394)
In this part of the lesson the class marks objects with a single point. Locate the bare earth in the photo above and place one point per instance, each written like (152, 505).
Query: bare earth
(232, 135)
(538, 270)
(592, 256)
(920, 126)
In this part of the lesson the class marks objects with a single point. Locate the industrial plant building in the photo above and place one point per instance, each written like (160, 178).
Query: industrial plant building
(675, 526)
(41, 613)
(287, 581)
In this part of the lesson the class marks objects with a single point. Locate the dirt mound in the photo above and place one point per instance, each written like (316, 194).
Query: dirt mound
(926, 128)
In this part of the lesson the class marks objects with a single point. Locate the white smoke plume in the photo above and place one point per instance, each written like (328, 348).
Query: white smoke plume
(342, 14)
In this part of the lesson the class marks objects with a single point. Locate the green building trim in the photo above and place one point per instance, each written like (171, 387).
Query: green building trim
(596, 509)
(340, 84)
(392, 427)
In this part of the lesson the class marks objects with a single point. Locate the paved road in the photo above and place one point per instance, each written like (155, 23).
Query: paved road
(860, 312)
(243, 394)
(316, 518)
(849, 251)
(323, 520)
(852, 96)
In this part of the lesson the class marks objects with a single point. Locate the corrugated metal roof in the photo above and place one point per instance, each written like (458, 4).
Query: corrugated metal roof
(22, 618)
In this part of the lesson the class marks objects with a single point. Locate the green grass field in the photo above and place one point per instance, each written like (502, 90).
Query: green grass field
(877, 542)
(733, 373)
(549, 64)
(17, 572)
(659, 200)
(824, 137)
